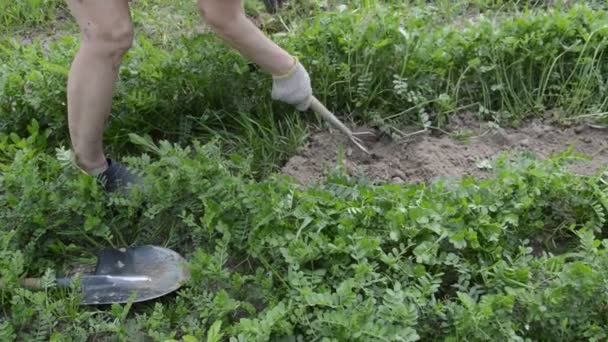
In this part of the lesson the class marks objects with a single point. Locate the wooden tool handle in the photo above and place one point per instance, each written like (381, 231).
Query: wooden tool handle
(36, 283)
(28, 283)
(320, 109)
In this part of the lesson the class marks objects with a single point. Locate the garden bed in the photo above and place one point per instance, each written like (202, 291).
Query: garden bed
(429, 155)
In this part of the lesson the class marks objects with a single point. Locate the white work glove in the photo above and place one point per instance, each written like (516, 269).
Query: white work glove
(294, 88)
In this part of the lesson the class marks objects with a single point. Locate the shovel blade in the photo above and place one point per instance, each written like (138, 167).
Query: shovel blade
(145, 272)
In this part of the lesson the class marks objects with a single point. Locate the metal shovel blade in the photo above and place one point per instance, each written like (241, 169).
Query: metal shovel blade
(148, 272)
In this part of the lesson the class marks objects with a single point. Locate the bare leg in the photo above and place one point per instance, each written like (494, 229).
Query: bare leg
(107, 34)
(228, 20)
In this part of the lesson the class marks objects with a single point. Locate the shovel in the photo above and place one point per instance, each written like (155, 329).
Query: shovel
(148, 272)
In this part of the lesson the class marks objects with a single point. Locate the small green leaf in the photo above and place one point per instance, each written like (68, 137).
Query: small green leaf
(426, 252)
(466, 300)
(214, 334)
(189, 338)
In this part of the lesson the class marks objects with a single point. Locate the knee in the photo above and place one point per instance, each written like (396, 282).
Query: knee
(221, 14)
(111, 40)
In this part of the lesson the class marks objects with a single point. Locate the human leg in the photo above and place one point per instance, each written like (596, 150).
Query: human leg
(291, 82)
(106, 35)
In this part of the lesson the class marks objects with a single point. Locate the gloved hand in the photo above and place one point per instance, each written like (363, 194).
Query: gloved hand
(293, 88)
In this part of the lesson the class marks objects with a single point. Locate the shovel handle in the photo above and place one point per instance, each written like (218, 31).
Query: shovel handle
(36, 283)
(28, 283)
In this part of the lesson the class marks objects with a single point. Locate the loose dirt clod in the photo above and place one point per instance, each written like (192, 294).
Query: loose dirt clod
(423, 157)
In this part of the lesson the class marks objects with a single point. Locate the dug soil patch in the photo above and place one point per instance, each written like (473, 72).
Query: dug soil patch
(426, 156)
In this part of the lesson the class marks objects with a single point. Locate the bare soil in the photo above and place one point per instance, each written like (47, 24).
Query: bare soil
(427, 156)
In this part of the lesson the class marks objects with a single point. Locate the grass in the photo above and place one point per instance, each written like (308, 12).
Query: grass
(491, 67)
(520, 255)
(344, 260)
(393, 70)
(28, 13)
(164, 21)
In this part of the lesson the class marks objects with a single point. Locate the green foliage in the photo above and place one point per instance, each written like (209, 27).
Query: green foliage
(174, 95)
(390, 66)
(23, 13)
(519, 255)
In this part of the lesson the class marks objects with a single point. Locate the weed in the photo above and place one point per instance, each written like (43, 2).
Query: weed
(379, 65)
(519, 256)
(344, 260)
(24, 13)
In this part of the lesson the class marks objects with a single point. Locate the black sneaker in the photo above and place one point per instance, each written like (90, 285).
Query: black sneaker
(118, 177)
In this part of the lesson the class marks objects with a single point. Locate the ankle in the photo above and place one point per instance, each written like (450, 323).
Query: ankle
(93, 167)
(98, 170)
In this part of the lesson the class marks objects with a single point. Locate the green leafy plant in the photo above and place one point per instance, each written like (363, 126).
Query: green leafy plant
(344, 260)
(381, 64)
(19, 14)
(518, 256)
